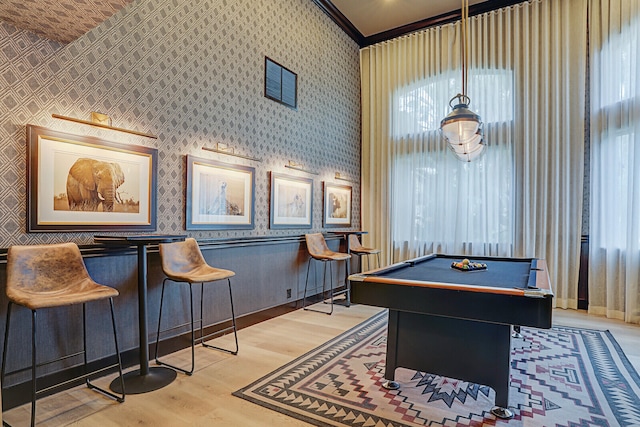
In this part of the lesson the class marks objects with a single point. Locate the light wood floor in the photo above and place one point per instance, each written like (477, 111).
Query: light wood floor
(205, 399)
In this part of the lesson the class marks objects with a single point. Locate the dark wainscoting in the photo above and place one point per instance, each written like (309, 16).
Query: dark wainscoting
(268, 269)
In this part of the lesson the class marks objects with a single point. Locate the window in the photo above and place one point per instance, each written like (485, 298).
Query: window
(421, 106)
(440, 203)
(280, 84)
(615, 101)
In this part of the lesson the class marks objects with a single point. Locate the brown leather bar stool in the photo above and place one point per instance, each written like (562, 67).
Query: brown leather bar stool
(319, 251)
(356, 248)
(182, 262)
(46, 276)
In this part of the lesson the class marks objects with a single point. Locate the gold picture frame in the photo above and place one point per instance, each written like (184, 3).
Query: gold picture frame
(84, 183)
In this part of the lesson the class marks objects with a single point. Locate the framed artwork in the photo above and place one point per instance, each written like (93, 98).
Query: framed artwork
(84, 183)
(337, 205)
(219, 195)
(291, 201)
(280, 84)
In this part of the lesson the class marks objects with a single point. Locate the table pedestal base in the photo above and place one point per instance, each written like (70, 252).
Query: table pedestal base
(134, 383)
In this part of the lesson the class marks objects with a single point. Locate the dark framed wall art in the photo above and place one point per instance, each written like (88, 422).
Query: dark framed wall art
(280, 84)
(219, 195)
(291, 201)
(337, 205)
(84, 183)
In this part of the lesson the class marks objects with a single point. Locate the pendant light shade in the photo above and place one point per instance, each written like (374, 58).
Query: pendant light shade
(468, 152)
(462, 128)
(461, 124)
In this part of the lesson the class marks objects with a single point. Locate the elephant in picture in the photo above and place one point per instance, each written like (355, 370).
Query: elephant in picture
(92, 182)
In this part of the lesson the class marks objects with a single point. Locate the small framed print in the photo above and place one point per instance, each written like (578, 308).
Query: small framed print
(280, 84)
(337, 205)
(219, 195)
(84, 183)
(291, 201)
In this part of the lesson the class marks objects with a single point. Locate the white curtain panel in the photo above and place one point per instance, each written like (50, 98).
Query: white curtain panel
(614, 248)
(523, 197)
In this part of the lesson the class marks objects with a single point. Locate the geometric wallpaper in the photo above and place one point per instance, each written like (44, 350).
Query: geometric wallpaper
(192, 73)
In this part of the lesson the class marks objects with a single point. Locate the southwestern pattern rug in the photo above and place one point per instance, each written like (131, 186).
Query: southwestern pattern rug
(559, 377)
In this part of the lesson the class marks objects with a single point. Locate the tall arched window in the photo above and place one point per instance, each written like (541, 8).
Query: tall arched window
(614, 228)
(441, 204)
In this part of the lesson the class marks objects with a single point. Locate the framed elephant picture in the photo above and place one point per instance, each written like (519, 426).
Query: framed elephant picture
(84, 183)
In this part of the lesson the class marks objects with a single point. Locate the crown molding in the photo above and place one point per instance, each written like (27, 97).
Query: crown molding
(446, 18)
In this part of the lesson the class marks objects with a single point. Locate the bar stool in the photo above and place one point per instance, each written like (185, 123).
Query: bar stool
(356, 248)
(47, 276)
(319, 251)
(182, 262)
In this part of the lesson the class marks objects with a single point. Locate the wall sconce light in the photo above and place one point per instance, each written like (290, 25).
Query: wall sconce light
(299, 167)
(102, 121)
(340, 177)
(221, 148)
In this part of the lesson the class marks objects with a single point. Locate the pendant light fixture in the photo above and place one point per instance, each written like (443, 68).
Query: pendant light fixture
(462, 128)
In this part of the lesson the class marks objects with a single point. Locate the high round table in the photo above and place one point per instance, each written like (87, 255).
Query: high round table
(145, 379)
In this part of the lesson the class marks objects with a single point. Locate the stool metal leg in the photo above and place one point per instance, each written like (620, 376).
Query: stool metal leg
(324, 282)
(347, 283)
(33, 368)
(4, 347)
(232, 327)
(193, 336)
(115, 339)
(120, 397)
(192, 323)
(33, 358)
(34, 353)
(306, 283)
(159, 322)
(158, 361)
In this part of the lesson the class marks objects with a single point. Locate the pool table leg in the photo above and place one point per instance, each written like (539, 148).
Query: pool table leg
(502, 379)
(391, 362)
(472, 351)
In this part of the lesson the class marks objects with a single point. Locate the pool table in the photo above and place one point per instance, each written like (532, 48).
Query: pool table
(456, 323)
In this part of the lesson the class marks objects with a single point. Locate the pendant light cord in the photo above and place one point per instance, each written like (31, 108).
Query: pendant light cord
(464, 16)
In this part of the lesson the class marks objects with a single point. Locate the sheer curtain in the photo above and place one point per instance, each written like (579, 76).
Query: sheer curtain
(445, 205)
(614, 252)
(524, 196)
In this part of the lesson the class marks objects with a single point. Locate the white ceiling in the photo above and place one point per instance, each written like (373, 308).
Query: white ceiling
(375, 16)
(59, 20)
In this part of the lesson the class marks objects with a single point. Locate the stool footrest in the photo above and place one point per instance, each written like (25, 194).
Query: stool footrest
(41, 364)
(181, 326)
(234, 352)
(216, 333)
(79, 377)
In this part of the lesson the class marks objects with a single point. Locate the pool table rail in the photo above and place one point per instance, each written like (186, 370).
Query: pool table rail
(503, 305)
(539, 284)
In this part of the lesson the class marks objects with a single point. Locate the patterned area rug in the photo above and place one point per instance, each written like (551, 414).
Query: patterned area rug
(559, 377)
